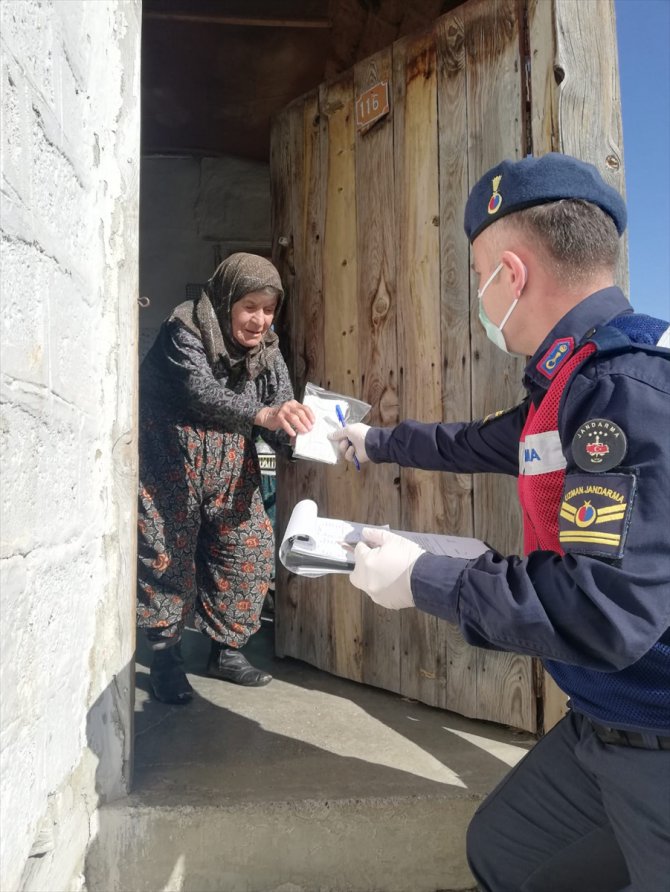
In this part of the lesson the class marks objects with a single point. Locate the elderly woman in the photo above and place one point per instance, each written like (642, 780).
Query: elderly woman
(213, 380)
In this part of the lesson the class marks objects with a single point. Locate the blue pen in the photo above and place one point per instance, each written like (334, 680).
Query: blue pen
(340, 418)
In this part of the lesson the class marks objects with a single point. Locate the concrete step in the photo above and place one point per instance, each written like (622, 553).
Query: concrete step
(311, 784)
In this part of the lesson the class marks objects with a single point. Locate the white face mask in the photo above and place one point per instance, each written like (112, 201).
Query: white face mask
(494, 332)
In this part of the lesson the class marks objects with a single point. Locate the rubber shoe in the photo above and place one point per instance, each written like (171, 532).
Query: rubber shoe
(167, 677)
(231, 665)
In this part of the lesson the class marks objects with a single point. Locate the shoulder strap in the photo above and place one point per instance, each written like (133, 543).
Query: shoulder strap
(610, 339)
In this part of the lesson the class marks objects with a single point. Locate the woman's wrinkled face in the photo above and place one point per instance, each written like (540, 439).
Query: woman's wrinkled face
(251, 316)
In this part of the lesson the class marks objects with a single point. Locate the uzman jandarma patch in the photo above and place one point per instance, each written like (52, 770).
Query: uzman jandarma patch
(595, 513)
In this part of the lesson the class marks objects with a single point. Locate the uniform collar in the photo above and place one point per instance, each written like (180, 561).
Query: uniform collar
(597, 309)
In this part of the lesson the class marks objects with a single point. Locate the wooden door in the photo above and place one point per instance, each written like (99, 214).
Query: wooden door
(369, 241)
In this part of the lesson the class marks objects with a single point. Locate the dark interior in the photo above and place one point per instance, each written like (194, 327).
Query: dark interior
(214, 72)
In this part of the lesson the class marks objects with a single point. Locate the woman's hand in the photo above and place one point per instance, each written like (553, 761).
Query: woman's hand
(292, 417)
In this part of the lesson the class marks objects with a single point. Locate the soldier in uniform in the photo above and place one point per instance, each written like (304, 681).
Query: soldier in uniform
(589, 807)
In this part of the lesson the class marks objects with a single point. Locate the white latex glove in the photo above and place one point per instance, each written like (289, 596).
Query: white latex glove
(384, 563)
(351, 441)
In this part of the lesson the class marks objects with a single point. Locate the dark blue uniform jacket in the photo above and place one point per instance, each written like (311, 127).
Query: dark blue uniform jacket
(588, 611)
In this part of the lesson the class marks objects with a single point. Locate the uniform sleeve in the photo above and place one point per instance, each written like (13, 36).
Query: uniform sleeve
(208, 398)
(606, 601)
(490, 445)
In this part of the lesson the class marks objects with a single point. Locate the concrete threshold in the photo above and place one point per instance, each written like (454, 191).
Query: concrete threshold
(311, 784)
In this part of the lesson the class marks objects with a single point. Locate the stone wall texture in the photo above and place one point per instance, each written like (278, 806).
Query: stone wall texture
(70, 193)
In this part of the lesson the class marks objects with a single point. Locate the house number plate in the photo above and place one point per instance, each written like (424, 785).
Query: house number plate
(372, 105)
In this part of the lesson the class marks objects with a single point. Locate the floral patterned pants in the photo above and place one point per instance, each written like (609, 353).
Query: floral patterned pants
(205, 544)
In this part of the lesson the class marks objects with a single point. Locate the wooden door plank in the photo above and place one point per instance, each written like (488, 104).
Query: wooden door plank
(340, 345)
(285, 167)
(303, 622)
(543, 87)
(419, 336)
(552, 702)
(317, 637)
(505, 691)
(280, 183)
(379, 495)
(459, 660)
(315, 632)
(589, 97)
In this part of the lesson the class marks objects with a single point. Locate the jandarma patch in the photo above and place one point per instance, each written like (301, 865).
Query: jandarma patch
(553, 359)
(595, 513)
(599, 445)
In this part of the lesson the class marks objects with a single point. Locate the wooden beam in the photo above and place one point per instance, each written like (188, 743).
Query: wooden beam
(238, 21)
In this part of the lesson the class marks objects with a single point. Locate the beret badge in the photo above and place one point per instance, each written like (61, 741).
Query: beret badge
(496, 199)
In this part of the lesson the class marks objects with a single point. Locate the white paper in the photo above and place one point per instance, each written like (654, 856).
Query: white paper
(309, 535)
(315, 443)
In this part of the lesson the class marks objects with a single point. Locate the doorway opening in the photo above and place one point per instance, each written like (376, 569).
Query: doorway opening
(214, 74)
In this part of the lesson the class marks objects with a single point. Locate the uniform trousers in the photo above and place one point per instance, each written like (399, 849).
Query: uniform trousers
(576, 815)
(205, 544)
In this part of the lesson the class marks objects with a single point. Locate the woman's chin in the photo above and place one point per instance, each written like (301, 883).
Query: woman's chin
(249, 341)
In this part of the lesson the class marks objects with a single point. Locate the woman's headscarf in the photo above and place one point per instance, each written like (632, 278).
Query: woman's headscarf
(210, 315)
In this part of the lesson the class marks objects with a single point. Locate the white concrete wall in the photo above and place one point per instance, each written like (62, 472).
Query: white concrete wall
(195, 211)
(70, 169)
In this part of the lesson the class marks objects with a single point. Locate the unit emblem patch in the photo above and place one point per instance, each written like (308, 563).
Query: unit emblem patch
(594, 516)
(553, 359)
(599, 445)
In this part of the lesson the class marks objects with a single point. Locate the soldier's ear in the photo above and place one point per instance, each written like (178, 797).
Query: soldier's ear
(517, 271)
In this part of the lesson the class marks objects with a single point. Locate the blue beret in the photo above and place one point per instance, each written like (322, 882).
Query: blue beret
(514, 185)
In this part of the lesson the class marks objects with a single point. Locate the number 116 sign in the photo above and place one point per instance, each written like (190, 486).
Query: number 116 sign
(372, 105)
